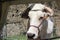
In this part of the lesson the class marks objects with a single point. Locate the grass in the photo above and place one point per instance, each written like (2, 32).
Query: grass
(18, 37)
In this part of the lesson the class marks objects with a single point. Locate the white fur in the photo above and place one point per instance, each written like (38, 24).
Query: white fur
(34, 20)
(33, 30)
(50, 26)
(38, 6)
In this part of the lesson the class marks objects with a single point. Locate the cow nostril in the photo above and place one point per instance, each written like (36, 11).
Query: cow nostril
(33, 35)
(29, 35)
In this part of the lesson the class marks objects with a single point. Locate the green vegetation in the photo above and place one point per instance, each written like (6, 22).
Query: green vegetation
(18, 37)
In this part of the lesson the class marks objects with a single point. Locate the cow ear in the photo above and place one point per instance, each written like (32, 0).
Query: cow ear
(24, 15)
(26, 12)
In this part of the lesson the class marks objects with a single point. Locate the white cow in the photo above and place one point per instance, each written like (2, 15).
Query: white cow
(36, 21)
(36, 15)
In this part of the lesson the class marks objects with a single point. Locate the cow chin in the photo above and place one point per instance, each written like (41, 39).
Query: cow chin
(33, 30)
(35, 37)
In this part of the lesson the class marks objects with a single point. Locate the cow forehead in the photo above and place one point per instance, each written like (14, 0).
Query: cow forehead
(38, 6)
(36, 14)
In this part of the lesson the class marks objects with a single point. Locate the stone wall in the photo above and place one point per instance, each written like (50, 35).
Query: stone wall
(57, 22)
(15, 25)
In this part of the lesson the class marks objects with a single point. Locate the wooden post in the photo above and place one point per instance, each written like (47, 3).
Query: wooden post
(3, 16)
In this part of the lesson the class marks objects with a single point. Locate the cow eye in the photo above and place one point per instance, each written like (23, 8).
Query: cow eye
(40, 18)
(44, 10)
